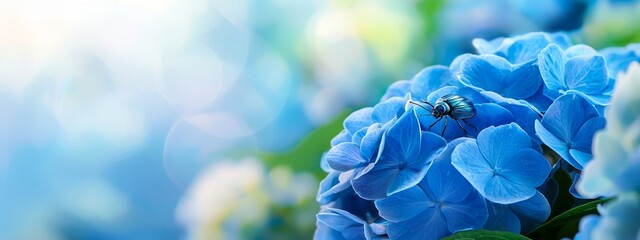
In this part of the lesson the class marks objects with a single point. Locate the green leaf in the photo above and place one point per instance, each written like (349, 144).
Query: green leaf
(572, 215)
(485, 234)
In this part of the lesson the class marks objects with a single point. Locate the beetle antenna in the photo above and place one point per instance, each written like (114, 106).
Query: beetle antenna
(417, 104)
(425, 101)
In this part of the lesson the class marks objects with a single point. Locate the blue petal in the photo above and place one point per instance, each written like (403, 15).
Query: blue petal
(524, 116)
(566, 115)
(455, 66)
(498, 143)
(324, 232)
(580, 50)
(599, 99)
(345, 156)
(535, 209)
(429, 224)
(551, 62)
(444, 180)
(485, 72)
(526, 167)
(371, 142)
(501, 190)
(359, 119)
(523, 82)
(403, 205)
(584, 137)
(373, 183)
(349, 226)
(397, 89)
(338, 219)
(470, 213)
(387, 110)
(429, 79)
(574, 184)
(431, 147)
(406, 133)
(343, 136)
(587, 74)
(470, 162)
(557, 145)
(406, 178)
(493, 73)
(527, 48)
(493, 169)
(359, 135)
(489, 114)
(539, 100)
(334, 184)
(487, 47)
(580, 157)
(501, 218)
(415, 167)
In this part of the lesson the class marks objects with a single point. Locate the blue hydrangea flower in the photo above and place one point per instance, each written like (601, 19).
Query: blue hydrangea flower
(619, 219)
(501, 164)
(578, 70)
(521, 48)
(528, 90)
(441, 204)
(339, 224)
(520, 216)
(496, 74)
(431, 79)
(619, 59)
(616, 150)
(405, 153)
(568, 128)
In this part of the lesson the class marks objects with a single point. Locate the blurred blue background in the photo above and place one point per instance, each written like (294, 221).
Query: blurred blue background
(204, 119)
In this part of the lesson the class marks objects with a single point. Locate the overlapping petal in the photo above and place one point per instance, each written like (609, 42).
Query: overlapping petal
(403, 161)
(496, 74)
(501, 164)
(568, 128)
(577, 70)
(442, 203)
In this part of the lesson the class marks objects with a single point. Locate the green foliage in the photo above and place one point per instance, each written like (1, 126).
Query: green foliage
(485, 235)
(565, 224)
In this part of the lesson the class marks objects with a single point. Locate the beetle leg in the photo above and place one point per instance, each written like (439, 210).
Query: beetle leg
(434, 123)
(446, 122)
(465, 130)
(474, 128)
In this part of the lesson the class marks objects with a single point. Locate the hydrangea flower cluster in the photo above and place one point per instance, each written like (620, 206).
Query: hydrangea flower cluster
(397, 172)
(616, 163)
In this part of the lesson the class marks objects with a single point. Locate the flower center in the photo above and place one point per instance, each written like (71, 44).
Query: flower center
(402, 165)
